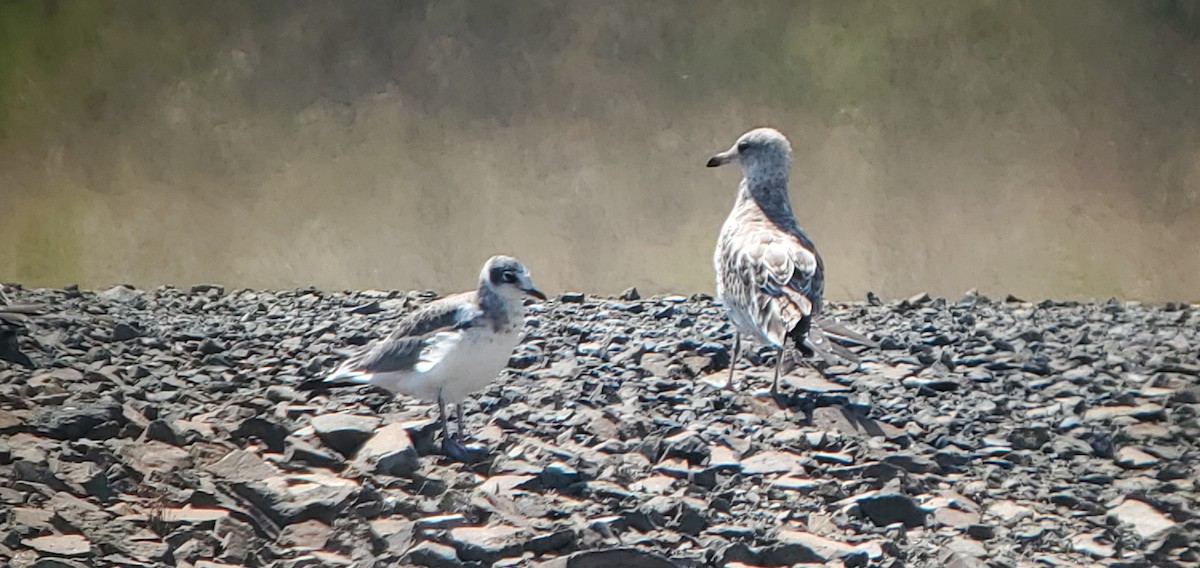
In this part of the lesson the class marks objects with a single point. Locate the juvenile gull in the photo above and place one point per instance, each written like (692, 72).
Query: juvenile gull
(449, 348)
(770, 277)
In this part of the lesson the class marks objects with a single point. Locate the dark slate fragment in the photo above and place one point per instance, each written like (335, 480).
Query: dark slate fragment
(886, 508)
(270, 433)
(618, 557)
(95, 420)
(433, 555)
(162, 431)
(124, 332)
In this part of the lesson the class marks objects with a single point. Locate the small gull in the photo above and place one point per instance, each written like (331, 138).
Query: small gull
(13, 320)
(770, 277)
(449, 348)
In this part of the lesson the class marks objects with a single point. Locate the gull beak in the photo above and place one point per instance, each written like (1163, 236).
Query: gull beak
(722, 158)
(534, 292)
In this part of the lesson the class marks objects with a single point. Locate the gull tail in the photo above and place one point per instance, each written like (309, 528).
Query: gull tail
(816, 343)
(342, 377)
(831, 341)
(834, 330)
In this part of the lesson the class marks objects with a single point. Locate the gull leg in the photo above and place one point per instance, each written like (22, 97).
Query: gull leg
(450, 445)
(778, 366)
(737, 350)
(442, 416)
(458, 419)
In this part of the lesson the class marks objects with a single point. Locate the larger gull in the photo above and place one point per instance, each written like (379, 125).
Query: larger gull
(770, 277)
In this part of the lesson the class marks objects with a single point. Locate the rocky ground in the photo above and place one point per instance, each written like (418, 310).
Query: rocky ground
(163, 428)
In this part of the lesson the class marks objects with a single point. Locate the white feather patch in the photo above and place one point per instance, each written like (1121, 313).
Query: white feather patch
(440, 345)
(349, 376)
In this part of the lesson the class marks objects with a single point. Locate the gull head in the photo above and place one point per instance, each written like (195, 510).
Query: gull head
(509, 278)
(761, 153)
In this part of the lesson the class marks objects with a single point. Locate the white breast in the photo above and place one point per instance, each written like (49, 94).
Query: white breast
(474, 363)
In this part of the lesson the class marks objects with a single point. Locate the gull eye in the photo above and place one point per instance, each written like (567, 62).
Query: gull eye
(508, 276)
(742, 146)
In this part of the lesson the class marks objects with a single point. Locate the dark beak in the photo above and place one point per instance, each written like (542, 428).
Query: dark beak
(535, 293)
(722, 158)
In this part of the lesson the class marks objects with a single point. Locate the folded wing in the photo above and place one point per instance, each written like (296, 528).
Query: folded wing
(419, 343)
(781, 276)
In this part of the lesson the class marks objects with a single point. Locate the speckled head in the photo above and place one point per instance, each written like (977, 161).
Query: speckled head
(508, 277)
(762, 153)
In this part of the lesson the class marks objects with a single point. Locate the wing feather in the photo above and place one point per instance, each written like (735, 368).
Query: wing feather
(419, 342)
(781, 277)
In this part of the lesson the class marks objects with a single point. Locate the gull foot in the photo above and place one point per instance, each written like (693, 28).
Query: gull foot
(458, 451)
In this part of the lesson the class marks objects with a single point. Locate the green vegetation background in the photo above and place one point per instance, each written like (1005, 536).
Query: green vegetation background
(1047, 149)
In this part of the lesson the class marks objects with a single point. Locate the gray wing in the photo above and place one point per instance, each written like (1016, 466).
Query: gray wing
(781, 279)
(422, 337)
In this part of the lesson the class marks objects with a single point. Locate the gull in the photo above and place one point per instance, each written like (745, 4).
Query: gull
(449, 348)
(13, 320)
(770, 277)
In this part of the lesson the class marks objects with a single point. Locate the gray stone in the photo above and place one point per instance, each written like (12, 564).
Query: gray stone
(886, 508)
(60, 544)
(771, 462)
(619, 557)
(345, 432)
(96, 420)
(242, 465)
(1134, 458)
(1146, 520)
(1090, 544)
(433, 555)
(488, 544)
(293, 498)
(397, 534)
(390, 452)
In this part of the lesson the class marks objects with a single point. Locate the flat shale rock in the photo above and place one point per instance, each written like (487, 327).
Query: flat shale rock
(396, 534)
(242, 465)
(290, 499)
(98, 420)
(1135, 458)
(309, 535)
(433, 555)
(155, 458)
(623, 557)
(10, 420)
(60, 545)
(1142, 411)
(345, 432)
(1093, 545)
(390, 451)
(771, 462)
(488, 544)
(50, 562)
(192, 516)
(1145, 519)
(826, 549)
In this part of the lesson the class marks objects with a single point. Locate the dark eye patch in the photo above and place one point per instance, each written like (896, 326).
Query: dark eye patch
(742, 146)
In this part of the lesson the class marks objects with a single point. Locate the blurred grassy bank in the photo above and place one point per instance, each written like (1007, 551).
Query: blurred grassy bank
(1045, 149)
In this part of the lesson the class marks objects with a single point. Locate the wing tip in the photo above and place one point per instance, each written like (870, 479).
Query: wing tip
(339, 378)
